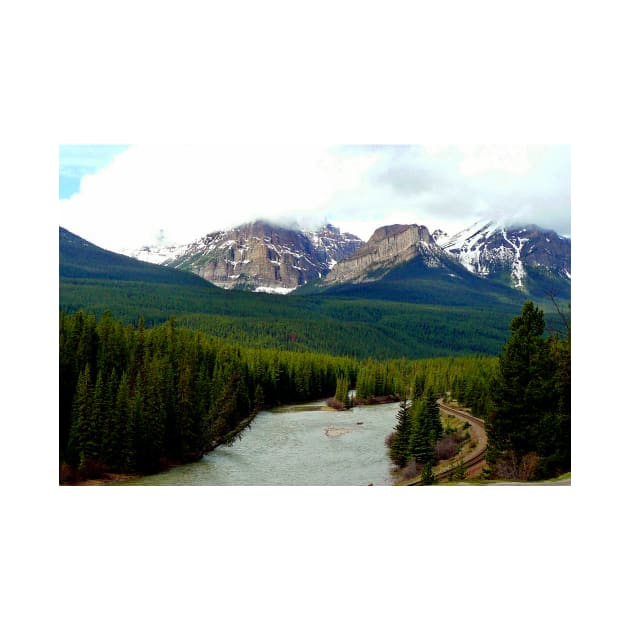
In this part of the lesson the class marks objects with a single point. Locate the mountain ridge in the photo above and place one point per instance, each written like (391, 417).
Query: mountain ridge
(260, 256)
(389, 322)
(389, 246)
(79, 259)
(527, 257)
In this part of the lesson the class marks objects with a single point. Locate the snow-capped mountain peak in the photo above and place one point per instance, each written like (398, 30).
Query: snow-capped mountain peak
(264, 258)
(259, 256)
(513, 253)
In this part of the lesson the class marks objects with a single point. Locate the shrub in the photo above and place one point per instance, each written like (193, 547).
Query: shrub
(458, 471)
(449, 429)
(447, 447)
(411, 470)
(335, 404)
(67, 474)
(93, 469)
(510, 466)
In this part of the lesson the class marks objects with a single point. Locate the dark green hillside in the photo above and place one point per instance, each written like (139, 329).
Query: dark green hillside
(80, 259)
(434, 321)
(415, 282)
(541, 283)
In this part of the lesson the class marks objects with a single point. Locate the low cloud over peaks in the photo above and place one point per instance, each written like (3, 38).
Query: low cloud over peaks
(188, 191)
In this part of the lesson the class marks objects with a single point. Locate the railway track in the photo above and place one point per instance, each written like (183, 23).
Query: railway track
(472, 459)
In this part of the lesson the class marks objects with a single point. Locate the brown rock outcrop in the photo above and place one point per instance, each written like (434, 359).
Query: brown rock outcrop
(389, 246)
(261, 257)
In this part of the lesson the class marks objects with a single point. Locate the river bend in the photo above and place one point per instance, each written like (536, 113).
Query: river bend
(301, 445)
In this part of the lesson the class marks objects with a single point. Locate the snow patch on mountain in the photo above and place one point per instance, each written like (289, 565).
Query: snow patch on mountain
(156, 254)
(276, 290)
(263, 258)
(492, 249)
(257, 256)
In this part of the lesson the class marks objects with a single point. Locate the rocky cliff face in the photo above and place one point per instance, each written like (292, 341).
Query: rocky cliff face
(388, 247)
(261, 257)
(523, 257)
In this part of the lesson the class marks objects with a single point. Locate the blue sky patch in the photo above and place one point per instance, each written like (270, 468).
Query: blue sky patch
(77, 160)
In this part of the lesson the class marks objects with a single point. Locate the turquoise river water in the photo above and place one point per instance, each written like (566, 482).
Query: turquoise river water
(302, 445)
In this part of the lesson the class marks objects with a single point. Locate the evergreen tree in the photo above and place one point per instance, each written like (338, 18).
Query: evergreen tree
(155, 414)
(523, 391)
(341, 391)
(99, 414)
(433, 416)
(184, 434)
(427, 477)
(400, 441)
(259, 398)
(133, 454)
(421, 438)
(111, 432)
(120, 454)
(84, 442)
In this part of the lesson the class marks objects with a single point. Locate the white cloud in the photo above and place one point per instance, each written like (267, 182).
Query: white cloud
(188, 191)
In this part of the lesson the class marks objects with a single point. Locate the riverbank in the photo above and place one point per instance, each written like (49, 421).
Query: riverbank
(105, 477)
(101, 477)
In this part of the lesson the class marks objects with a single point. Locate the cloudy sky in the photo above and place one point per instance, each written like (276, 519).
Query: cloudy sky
(121, 196)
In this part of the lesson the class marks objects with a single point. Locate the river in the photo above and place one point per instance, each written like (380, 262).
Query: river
(302, 445)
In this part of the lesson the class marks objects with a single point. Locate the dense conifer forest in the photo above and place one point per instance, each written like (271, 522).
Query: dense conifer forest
(357, 327)
(134, 399)
(524, 396)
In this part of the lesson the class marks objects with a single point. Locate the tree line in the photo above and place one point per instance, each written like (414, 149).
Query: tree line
(468, 379)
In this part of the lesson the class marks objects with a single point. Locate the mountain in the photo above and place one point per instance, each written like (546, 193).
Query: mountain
(414, 311)
(528, 258)
(403, 263)
(80, 260)
(388, 247)
(258, 256)
(261, 257)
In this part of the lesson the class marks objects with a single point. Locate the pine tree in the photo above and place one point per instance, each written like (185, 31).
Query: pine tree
(421, 437)
(155, 414)
(433, 414)
(84, 446)
(427, 477)
(400, 441)
(185, 430)
(100, 413)
(523, 392)
(341, 391)
(259, 398)
(134, 445)
(119, 454)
